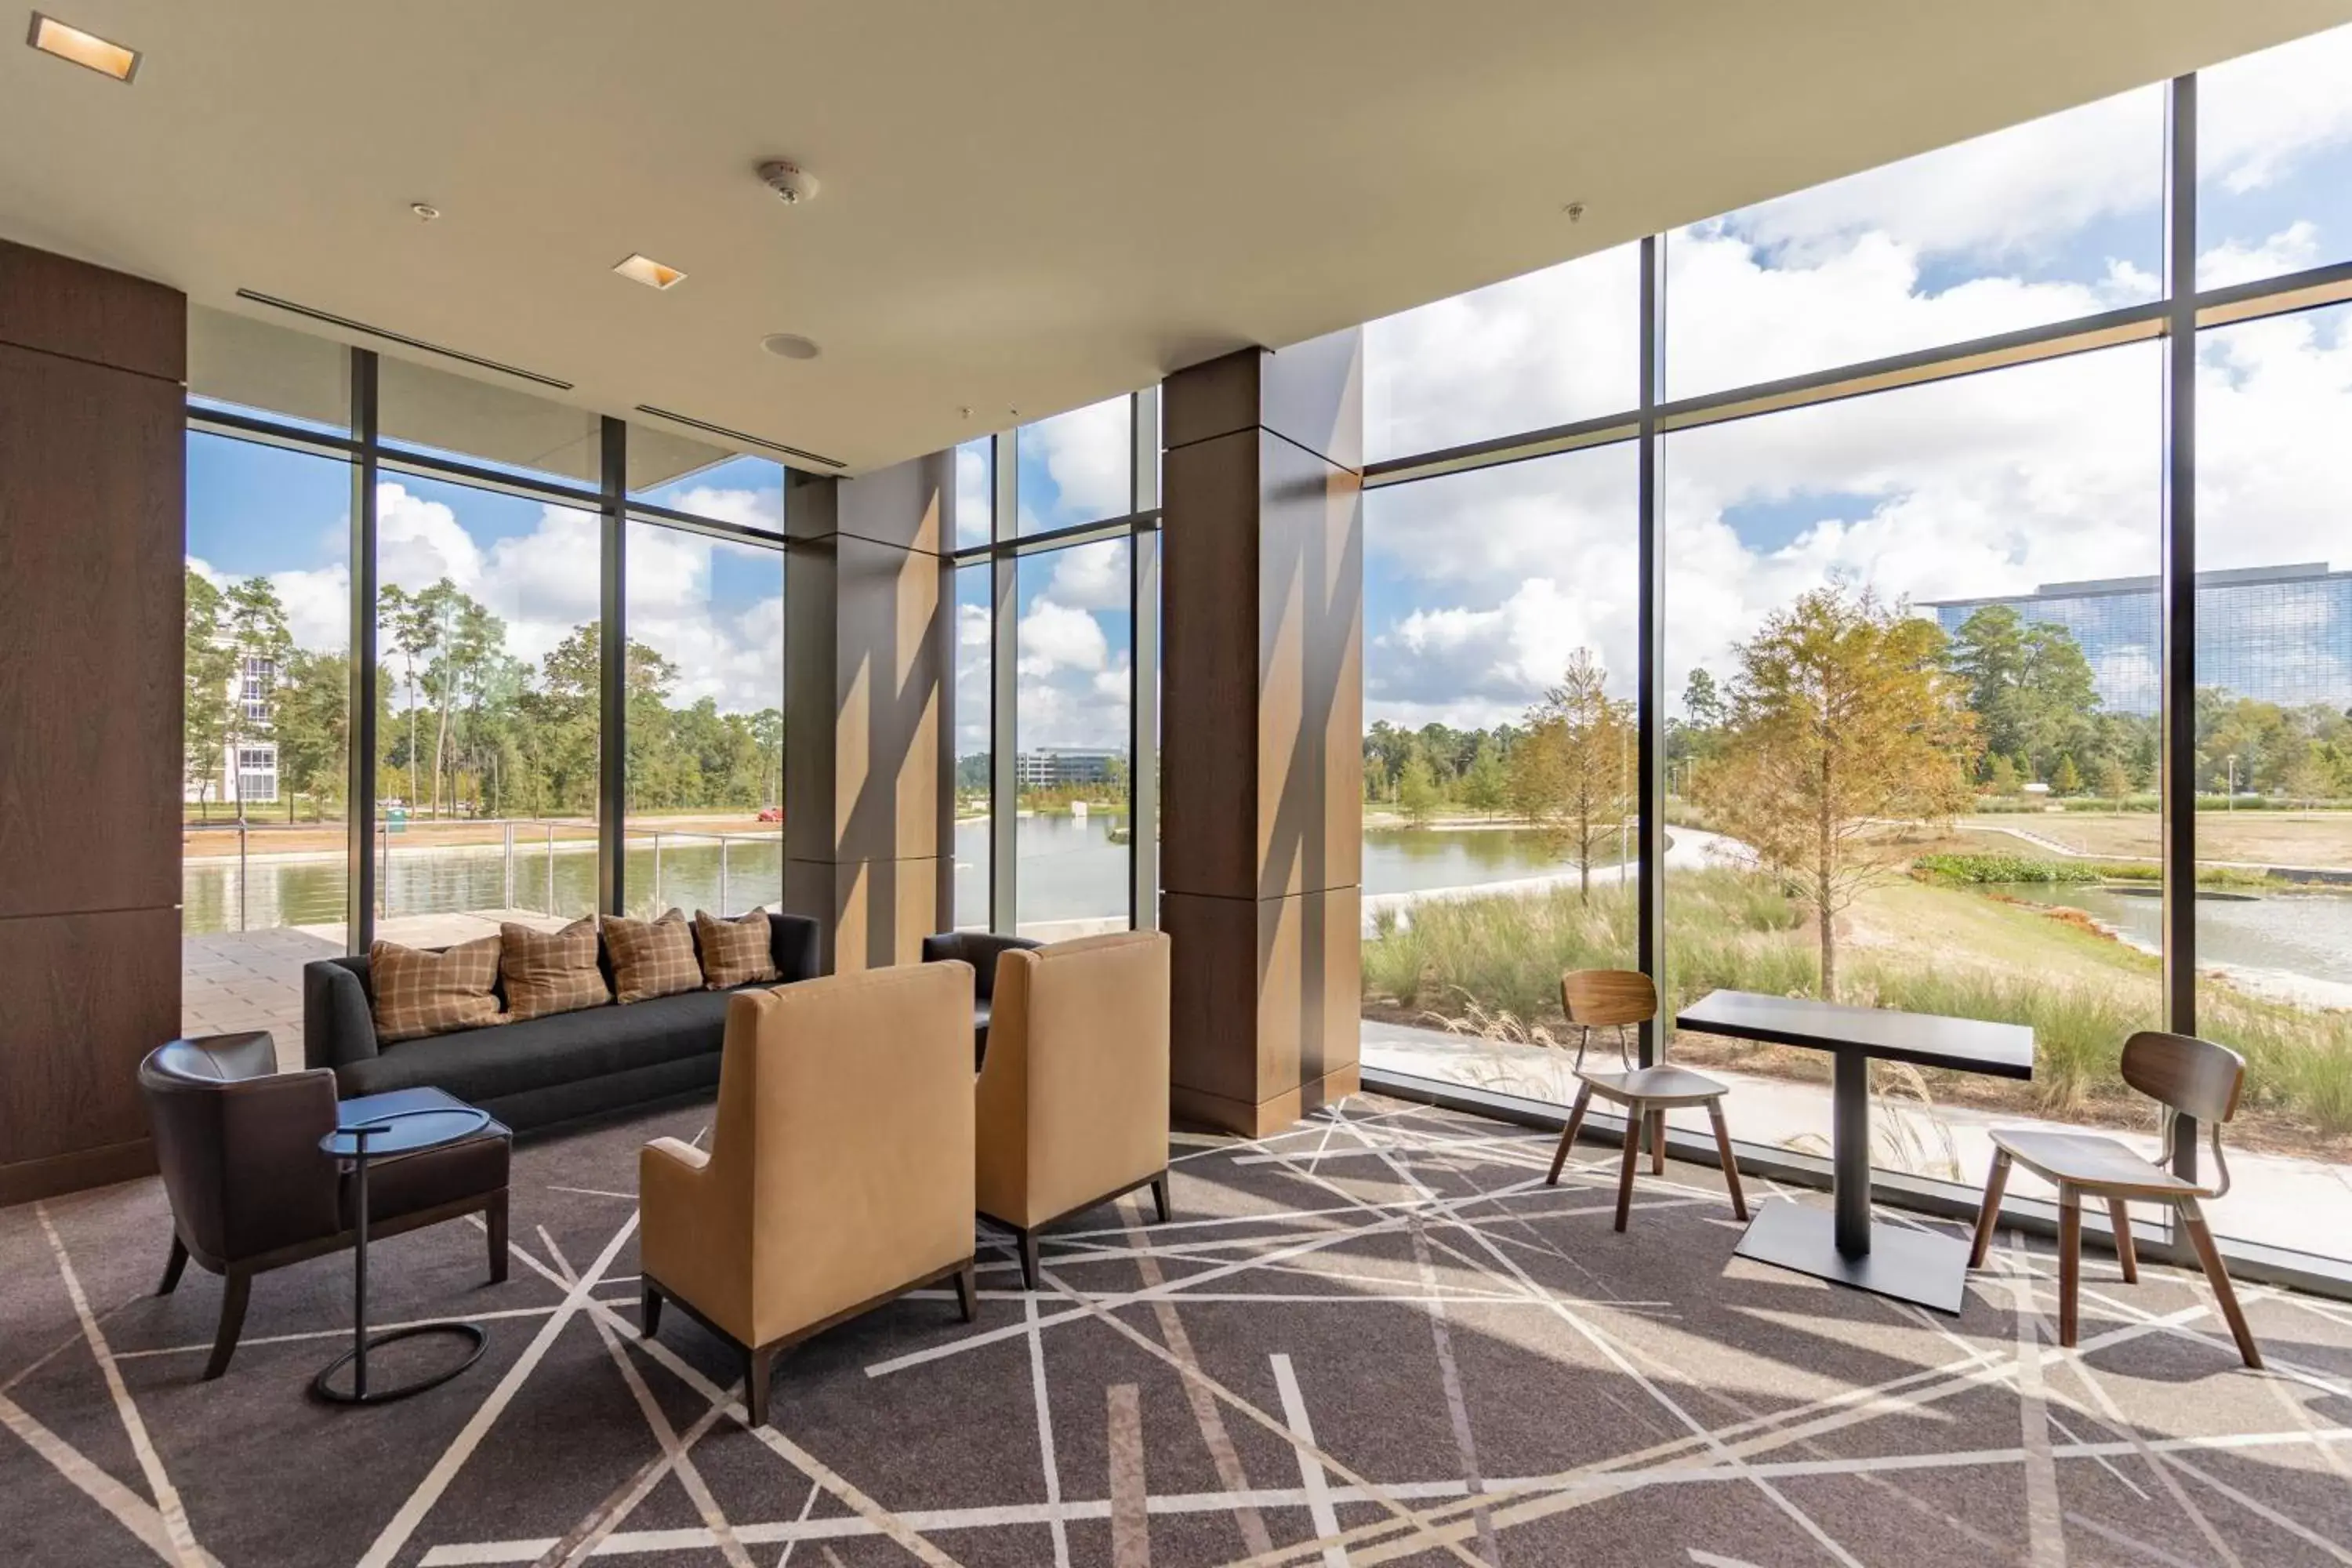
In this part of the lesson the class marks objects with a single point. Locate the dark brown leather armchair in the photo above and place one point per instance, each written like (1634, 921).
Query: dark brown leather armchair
(980, 949)
(250, 1189)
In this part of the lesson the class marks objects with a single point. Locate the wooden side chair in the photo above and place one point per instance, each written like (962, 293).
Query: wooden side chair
(1623, 999)
(2189, 1076)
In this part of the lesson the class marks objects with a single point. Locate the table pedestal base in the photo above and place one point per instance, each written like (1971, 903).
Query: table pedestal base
(323, 1386)
(1916, 1266)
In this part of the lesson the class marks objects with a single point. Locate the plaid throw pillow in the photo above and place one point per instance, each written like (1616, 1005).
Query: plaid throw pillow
(551, 971)
(735, 953)
(419, 992)
(651, 958)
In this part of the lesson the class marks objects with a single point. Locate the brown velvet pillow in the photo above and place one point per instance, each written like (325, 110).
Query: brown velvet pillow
(735, 953)
(551, 971)
(419, 992)
(651, 958)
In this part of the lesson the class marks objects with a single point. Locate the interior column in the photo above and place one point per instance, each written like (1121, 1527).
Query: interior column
(1262, 555)
(868, 793)
(93, 454)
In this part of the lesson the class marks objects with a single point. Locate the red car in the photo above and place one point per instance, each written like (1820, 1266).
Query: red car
(772, 813)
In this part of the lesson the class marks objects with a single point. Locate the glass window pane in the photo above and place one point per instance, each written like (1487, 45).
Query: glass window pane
(1554, 346)
(1074, 468)
(2274, 748)
(487, 616)
(705, 480)
(1499, 761)
(2275, 161)
(2043, 222)
(251, 367)
(975, 492)
(1907, 661)
(706, 805)
(975, 664)
(1076, 645)
(495, 426)
(268, 695)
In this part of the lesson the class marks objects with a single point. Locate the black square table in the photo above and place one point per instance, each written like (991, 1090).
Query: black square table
(1909, 1265)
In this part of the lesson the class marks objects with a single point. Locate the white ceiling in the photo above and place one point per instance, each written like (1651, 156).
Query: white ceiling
(1027, 203)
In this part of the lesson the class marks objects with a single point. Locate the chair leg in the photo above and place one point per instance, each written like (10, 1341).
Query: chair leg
(1657, 1143)
(1723, 1152)
(759, 1370)
(1988, 1207)
(174, 1265)
(235, 1286)
(1159, 1195)
(494, 1219)
(649, 1306)
(2119, 1216)
(1029, 1260)
(2192, 1220)
(1634, 1119)
(967, 1287)
(1567, 1133)
(2070, 1264)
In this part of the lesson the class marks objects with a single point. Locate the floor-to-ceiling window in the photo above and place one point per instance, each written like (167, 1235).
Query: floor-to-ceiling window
(1055, 621)
(487, 739)
(1910, 455)
(1499, 661)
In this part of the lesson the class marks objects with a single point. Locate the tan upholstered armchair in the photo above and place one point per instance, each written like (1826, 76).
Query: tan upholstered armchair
(840, 1167)
(1072, 1098)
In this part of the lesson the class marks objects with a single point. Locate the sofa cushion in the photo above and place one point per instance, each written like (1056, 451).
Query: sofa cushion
(481, 1065)
(418, 993)
(549, 971)
(651, 958)
(735, 953)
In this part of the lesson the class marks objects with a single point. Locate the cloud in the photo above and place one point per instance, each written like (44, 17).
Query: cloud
(1479, 584)
(1057, 637)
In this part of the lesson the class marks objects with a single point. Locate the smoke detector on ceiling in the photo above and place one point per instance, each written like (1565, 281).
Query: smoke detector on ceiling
(790, 345)
(792, 184)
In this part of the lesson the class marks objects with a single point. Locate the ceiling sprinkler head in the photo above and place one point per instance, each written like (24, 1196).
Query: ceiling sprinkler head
(792, 184)
(1575, 211)
(424, 211)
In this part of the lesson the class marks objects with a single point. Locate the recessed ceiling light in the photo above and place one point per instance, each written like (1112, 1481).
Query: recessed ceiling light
(52, 36)
(790, 345)
(645, 270)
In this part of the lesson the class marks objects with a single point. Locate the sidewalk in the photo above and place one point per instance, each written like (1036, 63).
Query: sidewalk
(2278, 1200)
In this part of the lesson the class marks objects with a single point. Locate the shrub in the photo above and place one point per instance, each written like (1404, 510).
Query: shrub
(1992, 867)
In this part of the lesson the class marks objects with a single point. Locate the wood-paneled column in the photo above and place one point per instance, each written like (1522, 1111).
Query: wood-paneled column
(93, 496)
(1261, 567)
(870, 796)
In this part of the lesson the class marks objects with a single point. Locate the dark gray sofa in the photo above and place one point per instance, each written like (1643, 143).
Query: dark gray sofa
(545, 1071)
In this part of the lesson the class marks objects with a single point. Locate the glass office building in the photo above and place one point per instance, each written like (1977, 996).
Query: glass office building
(2273, 634)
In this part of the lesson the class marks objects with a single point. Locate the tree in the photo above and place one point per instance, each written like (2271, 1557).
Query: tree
(2115, 781)
(1571, 773)
(1843, 715)
(1485, 787)
(408, 627)
(2001, 775)
(254, 624)
(209, 683)
(310, 719)
(2030, 686)
(1417, 789)
(2067, 779)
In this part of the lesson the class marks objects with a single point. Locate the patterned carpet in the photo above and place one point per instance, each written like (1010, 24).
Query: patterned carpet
(1377, 1338)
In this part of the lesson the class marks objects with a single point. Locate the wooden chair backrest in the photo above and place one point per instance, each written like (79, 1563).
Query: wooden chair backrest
(1600, 997)
(2194, 1076)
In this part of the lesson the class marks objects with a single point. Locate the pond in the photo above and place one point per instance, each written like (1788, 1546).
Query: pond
(2298, 935)
(1070, 870)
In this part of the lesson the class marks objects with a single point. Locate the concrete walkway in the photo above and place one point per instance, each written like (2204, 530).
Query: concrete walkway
(2278, 1200)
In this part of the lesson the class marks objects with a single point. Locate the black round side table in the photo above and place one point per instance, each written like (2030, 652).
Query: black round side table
(394, 1132)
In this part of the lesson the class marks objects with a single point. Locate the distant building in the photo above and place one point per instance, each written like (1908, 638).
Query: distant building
(2277, 634)
(254, 764)
(1058, 767)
